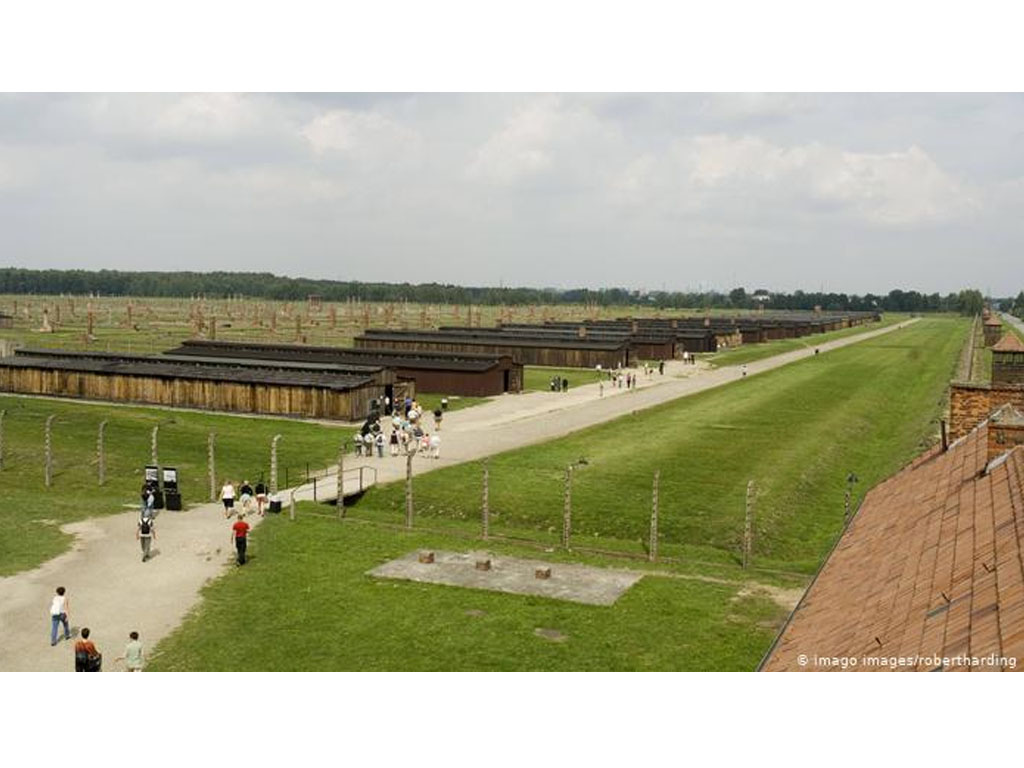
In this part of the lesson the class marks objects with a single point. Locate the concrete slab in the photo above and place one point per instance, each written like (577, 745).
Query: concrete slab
(568, 581)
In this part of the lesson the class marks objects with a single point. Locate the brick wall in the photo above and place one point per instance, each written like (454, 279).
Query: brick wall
(971, 404)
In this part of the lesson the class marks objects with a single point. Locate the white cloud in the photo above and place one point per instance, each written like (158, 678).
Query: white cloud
(190, 118)
(901, 188)
(545, 135)
(364, 135)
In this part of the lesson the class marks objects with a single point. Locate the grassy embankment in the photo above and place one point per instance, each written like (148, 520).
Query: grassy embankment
(306, 603)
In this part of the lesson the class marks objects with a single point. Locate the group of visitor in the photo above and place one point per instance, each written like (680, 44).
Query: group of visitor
(87, 656)
(247, 496)
(406, 436)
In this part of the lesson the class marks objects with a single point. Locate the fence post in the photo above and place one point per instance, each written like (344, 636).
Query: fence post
(152, 446)
(653, 548)
(486, 502)
(567, 508)
(408, 489)
(101, 456)
(748, 526)
(291, 504)
(48, 452)
(3, 413)
(341, 479)
(211, 465)
(273, 464)
(850, 480)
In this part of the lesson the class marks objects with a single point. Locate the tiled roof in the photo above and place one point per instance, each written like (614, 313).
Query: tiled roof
(929, 569)
(1009, 343)
(992, 320)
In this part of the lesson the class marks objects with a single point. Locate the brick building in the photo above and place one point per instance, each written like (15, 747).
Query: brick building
(1008, 360)
(992, 329)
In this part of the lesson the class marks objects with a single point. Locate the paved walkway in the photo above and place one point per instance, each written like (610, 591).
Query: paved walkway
(111, 591)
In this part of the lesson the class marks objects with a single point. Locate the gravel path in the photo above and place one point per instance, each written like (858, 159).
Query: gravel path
(111, 591)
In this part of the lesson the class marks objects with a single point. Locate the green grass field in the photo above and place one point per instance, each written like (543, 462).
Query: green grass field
(797, 431)
(304, 603)
(29, 509)
(747, 353)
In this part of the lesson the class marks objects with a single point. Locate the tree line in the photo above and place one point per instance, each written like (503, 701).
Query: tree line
(264, 285)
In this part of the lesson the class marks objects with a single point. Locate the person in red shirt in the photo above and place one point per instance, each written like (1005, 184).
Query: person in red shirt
(239, 532)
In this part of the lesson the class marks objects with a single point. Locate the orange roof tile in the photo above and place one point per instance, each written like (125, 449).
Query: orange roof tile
(929, 574)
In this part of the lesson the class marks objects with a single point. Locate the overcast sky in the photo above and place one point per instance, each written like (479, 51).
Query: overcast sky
(850, 193)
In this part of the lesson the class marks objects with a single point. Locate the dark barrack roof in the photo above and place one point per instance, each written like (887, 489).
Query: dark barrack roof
(194, 360)
(447, 361)
(183, 370)
(494, 338)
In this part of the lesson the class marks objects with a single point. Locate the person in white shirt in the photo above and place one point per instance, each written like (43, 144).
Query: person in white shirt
(227, 496)
(59, 615)
(435, 446)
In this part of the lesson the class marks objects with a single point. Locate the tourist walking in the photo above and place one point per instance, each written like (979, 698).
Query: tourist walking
(661, 367)
(435, 446)
(239, 535)
(245, 496)
(227, 497)
(438, 415)
(379, 440)
(743, 369)
(87, 657)
(59, 615)
(145, 534)
(394, 442)
(565, 385)
(600, 389)
(261, 497)
(148, 500)
(133, 656)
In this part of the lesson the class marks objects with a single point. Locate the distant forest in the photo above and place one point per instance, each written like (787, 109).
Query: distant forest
(215, 285)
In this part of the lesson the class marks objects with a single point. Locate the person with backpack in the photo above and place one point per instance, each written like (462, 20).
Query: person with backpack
(438, 415)
(145, 533)
(394, 442)
(87, 658)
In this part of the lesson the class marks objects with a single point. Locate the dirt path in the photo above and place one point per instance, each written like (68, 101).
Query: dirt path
(111, 591)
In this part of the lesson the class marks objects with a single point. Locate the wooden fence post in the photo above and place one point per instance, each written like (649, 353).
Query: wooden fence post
(341, 479)
(653, 549)
(291, 504)
(567, 508)
(3, 413)
(153, 444)
(748, 526)
(101, 455)
(486, 502)
(48, 451)
(273, 464)
(408, 490)
(211, 465)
